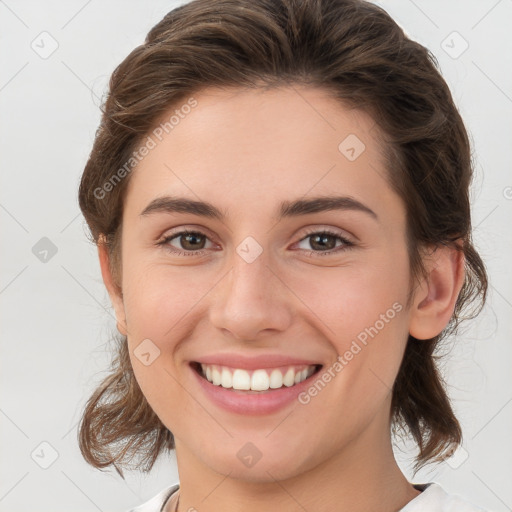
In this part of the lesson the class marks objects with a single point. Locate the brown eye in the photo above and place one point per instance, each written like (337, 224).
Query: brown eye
(185, 242)
(325, 242)
(322, 242)
(192, 241)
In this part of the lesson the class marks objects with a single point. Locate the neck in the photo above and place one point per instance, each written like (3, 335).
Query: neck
(361, 476)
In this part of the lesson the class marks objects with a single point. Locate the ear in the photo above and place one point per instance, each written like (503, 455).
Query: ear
(114, 290)
(435, 297)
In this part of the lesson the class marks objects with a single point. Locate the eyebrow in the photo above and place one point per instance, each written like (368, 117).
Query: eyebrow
(287, 209)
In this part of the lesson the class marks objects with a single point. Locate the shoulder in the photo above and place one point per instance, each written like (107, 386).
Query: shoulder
(156, 503)
(435, 499)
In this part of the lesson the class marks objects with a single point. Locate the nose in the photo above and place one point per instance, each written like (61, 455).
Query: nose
(251, 301)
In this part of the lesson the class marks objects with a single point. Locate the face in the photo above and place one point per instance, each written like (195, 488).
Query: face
(262, 286)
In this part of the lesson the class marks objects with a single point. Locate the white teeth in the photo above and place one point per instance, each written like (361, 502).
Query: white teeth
(216, 377)
(289, 378)
(276, 379)
(241, 380)
(226, 379)
(258, 380)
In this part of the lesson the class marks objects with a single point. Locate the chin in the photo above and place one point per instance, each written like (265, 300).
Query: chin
(265, 470)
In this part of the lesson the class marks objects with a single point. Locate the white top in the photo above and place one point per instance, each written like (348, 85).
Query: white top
(432, 499)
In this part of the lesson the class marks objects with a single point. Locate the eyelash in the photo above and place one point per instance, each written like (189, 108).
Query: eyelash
(347, 244)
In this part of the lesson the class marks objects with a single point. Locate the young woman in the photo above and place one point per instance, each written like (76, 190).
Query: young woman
(279, 195)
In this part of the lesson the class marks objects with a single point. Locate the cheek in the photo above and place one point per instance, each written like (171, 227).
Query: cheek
(157, 297)
(362, 311)
(349, 300)
(159, 305)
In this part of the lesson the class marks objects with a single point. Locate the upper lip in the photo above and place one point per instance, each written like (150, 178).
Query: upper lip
(254, 362)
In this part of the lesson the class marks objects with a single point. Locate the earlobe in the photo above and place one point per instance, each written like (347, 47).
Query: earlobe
(113, 288)
(436, 296)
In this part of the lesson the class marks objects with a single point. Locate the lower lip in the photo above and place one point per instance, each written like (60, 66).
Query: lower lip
(252, 403)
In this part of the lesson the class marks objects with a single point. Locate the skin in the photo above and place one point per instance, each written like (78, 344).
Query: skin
(245, 151)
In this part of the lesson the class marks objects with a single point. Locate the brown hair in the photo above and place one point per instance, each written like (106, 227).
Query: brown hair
(354, 50)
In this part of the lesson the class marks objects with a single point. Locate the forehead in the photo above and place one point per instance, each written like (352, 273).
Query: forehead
(260, 119)
(257, 147)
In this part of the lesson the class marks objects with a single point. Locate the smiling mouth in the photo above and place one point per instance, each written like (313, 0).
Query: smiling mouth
(255, 381)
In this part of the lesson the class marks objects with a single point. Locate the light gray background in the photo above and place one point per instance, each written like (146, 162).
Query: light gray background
(55, 315)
